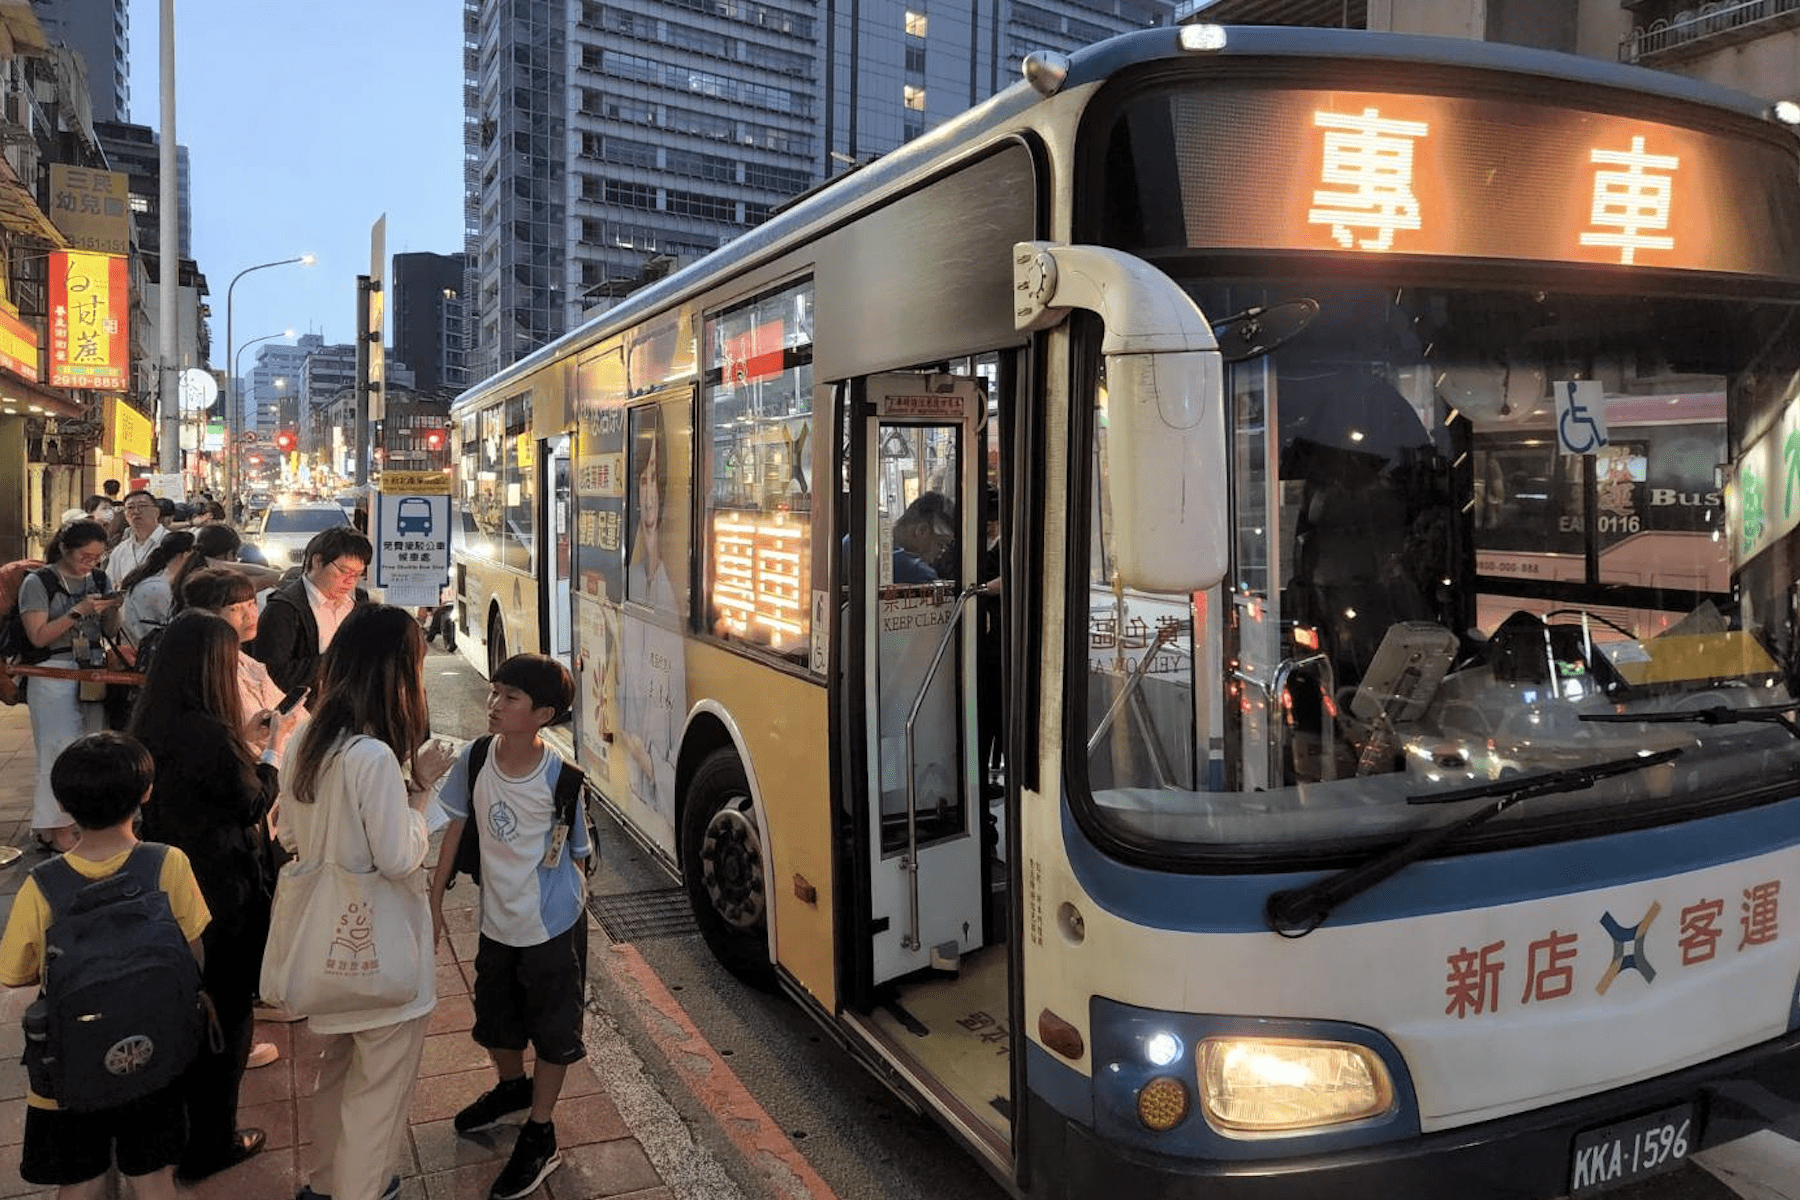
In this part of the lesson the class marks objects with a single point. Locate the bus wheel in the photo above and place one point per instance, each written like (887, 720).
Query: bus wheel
(496, 644)
(722, 864)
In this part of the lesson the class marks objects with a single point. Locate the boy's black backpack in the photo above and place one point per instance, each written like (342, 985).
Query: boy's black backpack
(568, 807)
(119, 1012)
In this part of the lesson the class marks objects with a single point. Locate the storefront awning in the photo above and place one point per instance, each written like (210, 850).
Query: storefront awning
(20, 213)
(22, 399)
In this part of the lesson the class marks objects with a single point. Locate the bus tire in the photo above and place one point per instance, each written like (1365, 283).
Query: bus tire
(722, 864)
(496, 644)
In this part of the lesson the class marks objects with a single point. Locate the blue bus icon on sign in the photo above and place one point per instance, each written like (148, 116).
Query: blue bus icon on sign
(414, 516)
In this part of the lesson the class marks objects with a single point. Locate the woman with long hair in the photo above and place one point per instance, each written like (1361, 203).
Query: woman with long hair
(353, 760)
(148, 592)
(63, 605)
(210, 799)
(231, 595)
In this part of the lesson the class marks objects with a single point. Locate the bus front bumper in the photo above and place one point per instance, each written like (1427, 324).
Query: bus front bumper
(1525, 1157)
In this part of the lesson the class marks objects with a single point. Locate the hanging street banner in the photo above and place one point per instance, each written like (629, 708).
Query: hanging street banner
(129, 433)
(89, 296)
(91, 208)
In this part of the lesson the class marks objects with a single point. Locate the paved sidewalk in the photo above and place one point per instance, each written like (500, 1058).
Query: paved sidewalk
(601, 1156)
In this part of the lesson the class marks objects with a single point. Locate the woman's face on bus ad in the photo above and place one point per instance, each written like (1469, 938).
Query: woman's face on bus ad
(649, 499)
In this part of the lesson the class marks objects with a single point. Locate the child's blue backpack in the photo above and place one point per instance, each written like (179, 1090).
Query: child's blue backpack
(119, 1013)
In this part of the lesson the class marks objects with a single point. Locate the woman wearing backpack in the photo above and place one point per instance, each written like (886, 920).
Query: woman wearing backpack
(352, 760)
(62, 604)
(149, 600)
(210, 799)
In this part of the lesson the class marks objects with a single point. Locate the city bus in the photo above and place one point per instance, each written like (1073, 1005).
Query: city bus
(1089, 607)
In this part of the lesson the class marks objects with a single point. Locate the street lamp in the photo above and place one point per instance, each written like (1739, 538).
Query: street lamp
(233, 414)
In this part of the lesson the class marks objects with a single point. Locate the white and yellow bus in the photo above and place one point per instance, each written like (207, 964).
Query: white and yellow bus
(1071, 601)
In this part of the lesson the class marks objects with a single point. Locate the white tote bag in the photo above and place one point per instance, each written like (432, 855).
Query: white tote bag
(341, 941)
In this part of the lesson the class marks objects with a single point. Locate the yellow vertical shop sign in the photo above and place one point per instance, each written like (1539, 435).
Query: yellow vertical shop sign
(89, 297)
(128, 432)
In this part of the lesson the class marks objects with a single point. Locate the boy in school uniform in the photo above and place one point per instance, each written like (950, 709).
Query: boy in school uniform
(101, 780)
(531, 963)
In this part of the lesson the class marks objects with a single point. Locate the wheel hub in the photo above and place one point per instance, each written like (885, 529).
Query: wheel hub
(731, 866)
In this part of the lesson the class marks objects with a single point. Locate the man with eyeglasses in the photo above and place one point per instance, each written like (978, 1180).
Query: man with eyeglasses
(302, 617)
(144, 528)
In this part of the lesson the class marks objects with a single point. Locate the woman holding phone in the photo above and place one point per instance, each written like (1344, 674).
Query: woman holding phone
(66, 603)
(232, 595)
(211, 797)
(364, 770)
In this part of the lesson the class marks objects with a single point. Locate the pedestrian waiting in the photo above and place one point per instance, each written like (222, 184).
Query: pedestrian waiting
(531, 962)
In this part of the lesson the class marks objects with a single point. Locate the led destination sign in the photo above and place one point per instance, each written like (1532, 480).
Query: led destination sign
(1380, 173)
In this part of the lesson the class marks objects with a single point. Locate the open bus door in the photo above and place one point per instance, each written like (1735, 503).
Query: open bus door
(558, 522)
(933, 976)
(921, 499)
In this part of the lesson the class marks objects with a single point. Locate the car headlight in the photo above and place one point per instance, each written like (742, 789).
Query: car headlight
(1273, 1085)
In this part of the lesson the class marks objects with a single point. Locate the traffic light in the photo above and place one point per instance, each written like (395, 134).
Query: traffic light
(285, 441)
(434, 440)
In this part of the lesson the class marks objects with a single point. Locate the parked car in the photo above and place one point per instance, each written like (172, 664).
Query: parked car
(287, 528)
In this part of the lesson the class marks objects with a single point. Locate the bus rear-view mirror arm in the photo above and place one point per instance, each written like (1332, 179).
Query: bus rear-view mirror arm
(1165, 407)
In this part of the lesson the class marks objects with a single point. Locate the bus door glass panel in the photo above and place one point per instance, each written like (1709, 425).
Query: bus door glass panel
(559, 488)
(652, 668)
(923, 513)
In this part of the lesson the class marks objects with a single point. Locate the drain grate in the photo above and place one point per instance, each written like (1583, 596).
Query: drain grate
(641, 916)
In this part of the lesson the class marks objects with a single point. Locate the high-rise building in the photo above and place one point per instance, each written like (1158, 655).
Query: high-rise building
(271, 397)
(429, 320)
(691, 121)
(100, 32)
(134, 150)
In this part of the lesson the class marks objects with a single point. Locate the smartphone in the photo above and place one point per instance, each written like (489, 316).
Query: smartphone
(293, 700)
(111, 595)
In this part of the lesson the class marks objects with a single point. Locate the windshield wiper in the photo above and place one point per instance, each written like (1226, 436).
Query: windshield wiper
(1718, 714)
(1296, 912)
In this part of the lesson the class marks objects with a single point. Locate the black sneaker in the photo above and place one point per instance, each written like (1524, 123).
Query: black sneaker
(508, 1096)
(534, 1156)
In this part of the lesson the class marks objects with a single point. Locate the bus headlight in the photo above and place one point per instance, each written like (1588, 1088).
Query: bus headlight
(1275, 1085)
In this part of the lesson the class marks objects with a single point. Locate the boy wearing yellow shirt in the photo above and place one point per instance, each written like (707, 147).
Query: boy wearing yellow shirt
(101, 780)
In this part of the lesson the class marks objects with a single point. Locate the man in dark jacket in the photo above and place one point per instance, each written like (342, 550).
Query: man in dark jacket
(301, 617)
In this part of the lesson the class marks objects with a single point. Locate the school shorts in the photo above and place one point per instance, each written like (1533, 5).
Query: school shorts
(533, 994)
(65, 1148)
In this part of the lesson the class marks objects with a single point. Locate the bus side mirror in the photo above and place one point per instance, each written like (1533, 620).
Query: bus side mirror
(1165, 455)
(1165, 432)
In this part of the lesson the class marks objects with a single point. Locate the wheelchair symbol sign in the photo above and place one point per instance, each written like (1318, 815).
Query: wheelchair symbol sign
(1580, 415)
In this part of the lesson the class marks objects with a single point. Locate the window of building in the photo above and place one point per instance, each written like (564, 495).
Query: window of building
(915, 60)
(913, 97)
(756, 406)
(630, 195)
(699, 204)
(915, 24)
(714, 167)
(786, 180)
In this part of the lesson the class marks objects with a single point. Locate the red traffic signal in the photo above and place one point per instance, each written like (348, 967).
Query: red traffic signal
(285, 441)
(434, 439)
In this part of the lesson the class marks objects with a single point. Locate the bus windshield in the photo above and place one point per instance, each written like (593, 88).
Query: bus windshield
(1479, 532)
